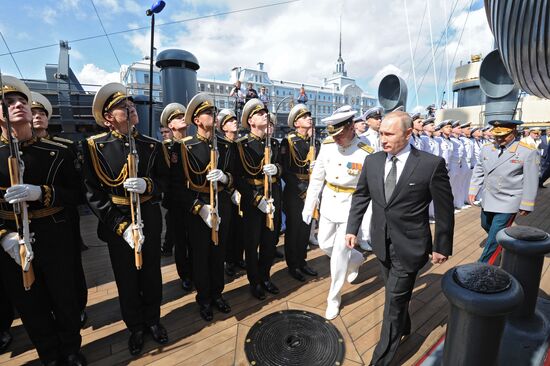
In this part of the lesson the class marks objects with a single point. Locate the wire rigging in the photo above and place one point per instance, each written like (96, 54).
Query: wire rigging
(11, 54)
(105, 32)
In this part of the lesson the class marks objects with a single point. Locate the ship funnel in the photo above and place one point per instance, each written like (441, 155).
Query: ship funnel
(392, 92)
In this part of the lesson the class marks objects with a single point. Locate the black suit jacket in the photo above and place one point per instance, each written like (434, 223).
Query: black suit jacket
(424, 178)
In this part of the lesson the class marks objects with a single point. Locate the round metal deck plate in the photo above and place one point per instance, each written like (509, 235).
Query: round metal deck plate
(294, 337)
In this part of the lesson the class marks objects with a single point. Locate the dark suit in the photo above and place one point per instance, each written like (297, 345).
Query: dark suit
(400, 232)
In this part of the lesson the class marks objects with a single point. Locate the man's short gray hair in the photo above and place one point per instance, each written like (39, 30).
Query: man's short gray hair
(405, 120)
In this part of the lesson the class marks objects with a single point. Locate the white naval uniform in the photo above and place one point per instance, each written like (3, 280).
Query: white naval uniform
(432, 146)
(373, 138)
(417, 142)
(467, 168)
(456, 174)
(337, 166)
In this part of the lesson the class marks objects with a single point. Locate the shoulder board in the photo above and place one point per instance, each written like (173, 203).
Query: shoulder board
(187, 138)
(97, 136)
(365, 147)
(521, 143)
(328, 140)
(244, 138)
(488, 144)
(62, 140)
(167, 141)
(50, 142)
(291, 135)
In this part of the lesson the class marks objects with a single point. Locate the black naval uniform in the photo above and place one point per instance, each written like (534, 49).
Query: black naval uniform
(177, 230)
(49, 310)
(294, 151)
(6, 318)
(208, 259)
(249, 181)
(74, 216)
(140, 291)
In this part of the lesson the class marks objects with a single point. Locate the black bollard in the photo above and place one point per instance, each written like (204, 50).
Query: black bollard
(481, 296)
(527, 330)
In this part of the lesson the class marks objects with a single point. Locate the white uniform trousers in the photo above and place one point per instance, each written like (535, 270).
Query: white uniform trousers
(331, 238)
(456, 178)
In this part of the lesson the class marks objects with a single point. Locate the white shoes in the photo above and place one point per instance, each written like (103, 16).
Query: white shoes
(332, 311)
(457, 211)
(465, 207)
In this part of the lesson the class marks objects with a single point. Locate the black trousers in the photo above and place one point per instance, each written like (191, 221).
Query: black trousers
(259, 241)
(177, 233)
(234, 248)
(139, 291)
(49, 310)
(399, 285)
(208, 274)
(6, 309)
(79, 277)
(297, 232)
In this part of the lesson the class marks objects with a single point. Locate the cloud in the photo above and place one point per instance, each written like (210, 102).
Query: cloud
(95, 76)
(49, 15)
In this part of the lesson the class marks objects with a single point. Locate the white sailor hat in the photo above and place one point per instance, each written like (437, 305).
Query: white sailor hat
(476, 129)
(41, 102)
(297, 112)
(447, 122)
(251, 107)
(225, 115)
(401, 108)
(431, 106)
(198, 104)
(486, 128)
(106, 98)
(170, 112)
(427, 121)
(339, 119)
(415, 116)
(465, 125)
(11, 84)
(370, 113)
(456, 124)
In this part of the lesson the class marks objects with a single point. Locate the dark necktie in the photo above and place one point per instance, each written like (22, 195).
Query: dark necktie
(391, 179)
(502, 148)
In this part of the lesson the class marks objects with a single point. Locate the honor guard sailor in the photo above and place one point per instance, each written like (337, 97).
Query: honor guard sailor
(373, 117)
(41, 114)
(49, 182)
(430, 143)
(108, 169)
(335, 177)
(507, 176)
(206, 174)
(177, 228)
(229, 129)
(297, 152)
(257, 178)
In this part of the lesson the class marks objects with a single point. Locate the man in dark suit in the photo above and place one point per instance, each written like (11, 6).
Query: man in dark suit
(400, 182)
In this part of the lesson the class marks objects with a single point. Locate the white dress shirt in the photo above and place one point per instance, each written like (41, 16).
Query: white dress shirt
(402, 157)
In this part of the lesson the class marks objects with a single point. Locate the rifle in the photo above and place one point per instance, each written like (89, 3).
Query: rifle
(20, 210)
(135, 205)
(311, 158)
(214, 185)
(267, 179)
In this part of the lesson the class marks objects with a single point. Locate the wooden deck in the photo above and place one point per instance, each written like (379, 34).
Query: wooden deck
(195, 342)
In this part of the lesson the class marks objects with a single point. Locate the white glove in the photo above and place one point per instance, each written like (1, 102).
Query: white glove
(10, 244)
(270, 169)
(23, 193)
(128, 237)
(136, 185)
(204, 212)
(216, 175)
(266, 206)
(236, 198)
(306, 217)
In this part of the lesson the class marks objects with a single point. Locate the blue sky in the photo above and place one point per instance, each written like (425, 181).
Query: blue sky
(297, 41)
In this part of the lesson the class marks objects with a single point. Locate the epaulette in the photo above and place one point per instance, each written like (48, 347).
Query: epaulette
(61, 139)
(244, 138)
(365, 147)
(97, 136)
(291, 135)
(58, 144)
(167, 141)
(521, 143)
(186, 138)
(328, 140)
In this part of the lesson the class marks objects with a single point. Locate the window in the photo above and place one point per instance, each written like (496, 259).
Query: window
(146, 78)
